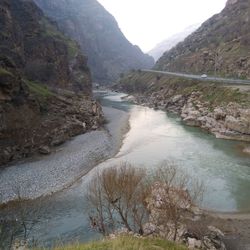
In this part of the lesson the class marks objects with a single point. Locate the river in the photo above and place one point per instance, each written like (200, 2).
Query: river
(153, 137)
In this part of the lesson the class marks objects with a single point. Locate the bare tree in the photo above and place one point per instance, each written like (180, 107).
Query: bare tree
(18, 224)
(173, 195)
(125, 196)
(117, 196)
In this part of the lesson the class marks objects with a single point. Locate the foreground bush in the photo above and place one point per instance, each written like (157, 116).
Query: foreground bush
(125, 196)
(126, 243)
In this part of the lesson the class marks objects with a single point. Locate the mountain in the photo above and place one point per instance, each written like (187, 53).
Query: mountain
(169, 43)
(221, 46)
(40, 72)
(109, 52)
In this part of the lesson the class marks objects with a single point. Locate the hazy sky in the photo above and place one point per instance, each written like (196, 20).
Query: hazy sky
(148, 22)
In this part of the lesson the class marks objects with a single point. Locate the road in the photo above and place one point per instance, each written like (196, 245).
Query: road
(198, 77)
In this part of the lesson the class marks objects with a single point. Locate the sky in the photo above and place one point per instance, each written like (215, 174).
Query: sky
(149, 22)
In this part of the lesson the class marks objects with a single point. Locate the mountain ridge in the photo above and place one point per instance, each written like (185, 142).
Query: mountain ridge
(170, 42)
(96, 30)
(219, 47)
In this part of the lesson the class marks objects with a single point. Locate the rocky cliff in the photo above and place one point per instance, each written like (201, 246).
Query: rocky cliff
(221, 46)
(109, 52)
(39, 71)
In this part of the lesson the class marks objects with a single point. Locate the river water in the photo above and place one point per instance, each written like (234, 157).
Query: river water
(154, 137)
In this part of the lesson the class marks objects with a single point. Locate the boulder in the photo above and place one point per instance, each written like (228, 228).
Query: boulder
(219, 114)
(241, 124)
(192, 121)
(194, 243)
(246, 150)
(44, 150)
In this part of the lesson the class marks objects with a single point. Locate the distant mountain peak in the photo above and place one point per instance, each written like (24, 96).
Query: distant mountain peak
(221, 46)
(170, 42)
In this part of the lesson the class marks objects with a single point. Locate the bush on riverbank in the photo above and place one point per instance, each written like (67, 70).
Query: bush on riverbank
(126, 243)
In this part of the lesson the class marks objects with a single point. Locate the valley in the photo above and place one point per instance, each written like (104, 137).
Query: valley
(100, 142)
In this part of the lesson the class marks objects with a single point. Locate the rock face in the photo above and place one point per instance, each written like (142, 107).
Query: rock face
(221, 46)
(86, 21)
(36, 47)
(39, 71)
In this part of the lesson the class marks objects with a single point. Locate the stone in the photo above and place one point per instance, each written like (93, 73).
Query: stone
(192, 121)
(246, 150)
(194, 243)
(44, 150)
(176, 98)
(216, 231)
(219, 114)
(149, 228)
(241, 124)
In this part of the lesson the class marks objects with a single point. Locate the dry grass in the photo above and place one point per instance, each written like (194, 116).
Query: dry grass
(126, 243)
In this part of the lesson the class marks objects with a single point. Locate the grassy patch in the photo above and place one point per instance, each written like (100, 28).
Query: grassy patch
(126, 243)
(4, 72)
(213, 93)
(51, 31)
(38, 89)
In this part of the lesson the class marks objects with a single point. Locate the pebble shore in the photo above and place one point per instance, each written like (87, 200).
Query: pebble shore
(71, 161)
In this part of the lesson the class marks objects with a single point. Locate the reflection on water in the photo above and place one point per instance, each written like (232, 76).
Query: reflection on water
(154, 137)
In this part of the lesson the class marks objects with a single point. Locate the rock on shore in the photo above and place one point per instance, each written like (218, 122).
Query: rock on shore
(231, 121)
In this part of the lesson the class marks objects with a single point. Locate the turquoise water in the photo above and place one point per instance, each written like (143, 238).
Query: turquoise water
(154, 136)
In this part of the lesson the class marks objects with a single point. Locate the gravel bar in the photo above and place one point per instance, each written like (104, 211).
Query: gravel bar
(71, 161)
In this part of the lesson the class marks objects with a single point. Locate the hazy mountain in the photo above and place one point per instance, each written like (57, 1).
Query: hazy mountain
(169, 43)
(96, 30)
(220, 46)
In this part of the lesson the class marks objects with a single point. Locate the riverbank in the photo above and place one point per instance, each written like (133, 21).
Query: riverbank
(236, 227)
(222, 110)
(71, 161)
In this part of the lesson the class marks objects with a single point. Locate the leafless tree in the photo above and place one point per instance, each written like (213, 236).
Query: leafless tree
(19, 224)
(117, 196)
(173, 195)
(125, 196)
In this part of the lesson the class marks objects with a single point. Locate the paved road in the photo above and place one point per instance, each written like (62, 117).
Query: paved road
(198, 77)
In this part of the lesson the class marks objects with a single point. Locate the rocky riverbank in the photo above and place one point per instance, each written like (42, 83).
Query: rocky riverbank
(230, 122)
(48, 174)
(67, 114)
(221, 110)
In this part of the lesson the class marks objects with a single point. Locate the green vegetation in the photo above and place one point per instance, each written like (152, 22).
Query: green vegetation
(4, 72)
(38, 89)
(126, 243)
(72, 48)
(214, 93)
(51, 31)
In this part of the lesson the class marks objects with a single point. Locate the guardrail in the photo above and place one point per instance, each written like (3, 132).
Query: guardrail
(198, 77)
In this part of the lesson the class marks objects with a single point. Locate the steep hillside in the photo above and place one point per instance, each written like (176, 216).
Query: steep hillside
(222, 110)
(169, 43)
(221, 46)
(109, 52)
(39, 71)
